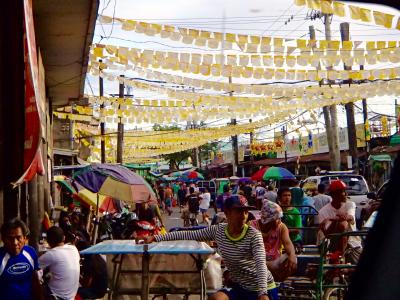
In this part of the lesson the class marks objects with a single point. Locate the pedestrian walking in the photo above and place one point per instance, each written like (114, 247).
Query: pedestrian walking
(205, 199)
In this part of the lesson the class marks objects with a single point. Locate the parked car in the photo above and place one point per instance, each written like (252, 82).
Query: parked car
(357, 188)
(374, 201)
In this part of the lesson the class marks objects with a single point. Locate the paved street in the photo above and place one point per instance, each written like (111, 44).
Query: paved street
(175, 219)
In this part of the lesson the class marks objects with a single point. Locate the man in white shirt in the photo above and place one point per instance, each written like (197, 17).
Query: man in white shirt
(320, 199)
(62, 262)
(205, 199)
(338, 217)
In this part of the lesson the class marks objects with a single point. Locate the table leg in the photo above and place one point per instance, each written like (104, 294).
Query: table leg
(116, 274)
(145, 273)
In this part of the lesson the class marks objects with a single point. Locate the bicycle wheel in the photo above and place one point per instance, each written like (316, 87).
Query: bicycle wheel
(334, 294)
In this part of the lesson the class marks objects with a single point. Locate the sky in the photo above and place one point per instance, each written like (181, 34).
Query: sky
(273, 18)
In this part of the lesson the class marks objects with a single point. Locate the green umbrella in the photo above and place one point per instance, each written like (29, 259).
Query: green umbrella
(65, 182)
(278, 173)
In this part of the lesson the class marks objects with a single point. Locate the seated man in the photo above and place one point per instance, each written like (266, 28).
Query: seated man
(291, 216)
(18, 264)
(308, 211)
(320, 199)
(94, 278)
(338, 217)
(62, 262)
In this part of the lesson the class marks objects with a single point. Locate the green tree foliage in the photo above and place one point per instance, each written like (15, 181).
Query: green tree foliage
(175, 159)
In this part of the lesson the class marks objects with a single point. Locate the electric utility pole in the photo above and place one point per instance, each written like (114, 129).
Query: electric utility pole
(251, 142)
(325, 109)
(120, 133)
(196, 156)
(102, 124)
(351, 124)
(330, 113)
(235, 146)
(365, 118)
(326, 112)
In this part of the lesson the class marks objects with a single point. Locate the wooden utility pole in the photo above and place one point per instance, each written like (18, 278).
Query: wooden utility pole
(351, 124)
(395, 113)
(284, 133)
(365, 118)
(196, 154)
(102, 123)
(120, 134)
(251, 142)
(325, 109)
(235, 146)
(332, 134)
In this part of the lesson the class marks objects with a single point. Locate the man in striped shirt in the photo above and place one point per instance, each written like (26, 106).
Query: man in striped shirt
(242, 250)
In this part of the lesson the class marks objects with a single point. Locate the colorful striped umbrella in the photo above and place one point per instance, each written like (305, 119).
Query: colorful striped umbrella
(115, 181)
(258, 176)
(65, 182)
(278, 173)
(87, 197)
(80, 193)
(193, 175)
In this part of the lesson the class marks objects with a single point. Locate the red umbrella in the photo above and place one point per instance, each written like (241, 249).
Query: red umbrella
(193, 175)
(109, 205)
(258, 176)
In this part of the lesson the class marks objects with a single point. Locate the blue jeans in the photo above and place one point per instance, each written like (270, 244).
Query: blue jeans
(239, 293)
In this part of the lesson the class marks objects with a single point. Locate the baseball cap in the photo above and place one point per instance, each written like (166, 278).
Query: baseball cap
(337, 185)
(270, 211)
(237, 201)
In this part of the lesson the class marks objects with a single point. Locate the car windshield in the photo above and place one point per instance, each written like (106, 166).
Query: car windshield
(355, 184)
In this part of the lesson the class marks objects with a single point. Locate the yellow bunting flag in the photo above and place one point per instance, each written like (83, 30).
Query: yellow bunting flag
(355, 12)
(365, 15)
(338, 9)
(326, 6)
(383, 19)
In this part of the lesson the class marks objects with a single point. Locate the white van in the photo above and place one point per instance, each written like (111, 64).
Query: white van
(357, 187)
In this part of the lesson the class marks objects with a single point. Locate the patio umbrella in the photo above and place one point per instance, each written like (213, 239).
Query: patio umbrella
(115, 181)
(193, 175)
(65, 182)
(278, 173)
(185, 179)
(87, 197)
(258, 176)
(109, 205)
(175, 174)
(167, 178)
(245, 180)
(180, 173)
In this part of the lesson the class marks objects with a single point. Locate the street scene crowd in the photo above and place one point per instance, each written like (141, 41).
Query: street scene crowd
(222, 150)
(257, 229)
